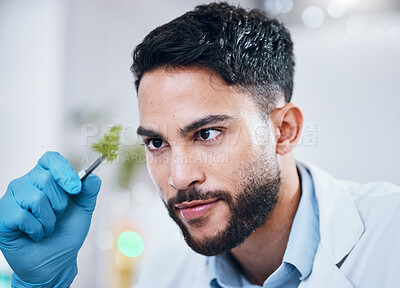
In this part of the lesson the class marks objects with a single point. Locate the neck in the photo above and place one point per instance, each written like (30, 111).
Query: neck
(262, 253)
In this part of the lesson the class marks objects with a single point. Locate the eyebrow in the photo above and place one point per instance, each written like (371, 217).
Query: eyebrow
(210, 119)
(142, 131)
(194, 126)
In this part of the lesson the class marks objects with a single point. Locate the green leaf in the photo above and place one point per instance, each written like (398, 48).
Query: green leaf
(108, 145)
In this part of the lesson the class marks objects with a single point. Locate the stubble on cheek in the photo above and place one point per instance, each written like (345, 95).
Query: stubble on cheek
(211, 224)
(253, 185)
(206, 226)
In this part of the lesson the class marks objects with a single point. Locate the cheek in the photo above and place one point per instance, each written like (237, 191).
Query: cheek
(223, 175)
(230, 173)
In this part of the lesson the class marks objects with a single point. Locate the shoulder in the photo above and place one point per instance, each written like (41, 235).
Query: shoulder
(363, 195)
(373, 260)
(173, 265)
(374, 200)
(376, 203)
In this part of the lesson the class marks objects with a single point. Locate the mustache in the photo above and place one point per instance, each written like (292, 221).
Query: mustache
(197, 194)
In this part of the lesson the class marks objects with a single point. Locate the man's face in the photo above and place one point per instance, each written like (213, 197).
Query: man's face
(210, 153)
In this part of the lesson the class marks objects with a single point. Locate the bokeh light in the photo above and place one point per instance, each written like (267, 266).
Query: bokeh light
(336, 9)
(313, 17)
(130, 244)
(275, 7)
(120, 201)
(287, 6)
(104, 239)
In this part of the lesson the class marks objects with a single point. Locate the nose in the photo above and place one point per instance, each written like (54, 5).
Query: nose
(185, 171)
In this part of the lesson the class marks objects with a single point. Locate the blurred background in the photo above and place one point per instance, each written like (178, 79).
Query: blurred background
(65, 80)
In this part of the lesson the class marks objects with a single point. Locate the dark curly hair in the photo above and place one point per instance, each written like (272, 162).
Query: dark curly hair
(246, 48)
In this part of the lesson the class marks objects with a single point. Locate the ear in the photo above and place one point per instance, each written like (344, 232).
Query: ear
(288, 121)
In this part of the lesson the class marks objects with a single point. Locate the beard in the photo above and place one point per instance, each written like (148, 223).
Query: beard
(257, 189)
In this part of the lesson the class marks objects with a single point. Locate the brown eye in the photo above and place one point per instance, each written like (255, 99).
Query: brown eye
(154, 144)
(208, 134)
(204, 134)
(157, 143)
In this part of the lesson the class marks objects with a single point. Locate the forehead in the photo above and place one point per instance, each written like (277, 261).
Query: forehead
(177, 96)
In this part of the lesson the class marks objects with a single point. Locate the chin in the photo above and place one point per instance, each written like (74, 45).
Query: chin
(202, 231)
(206, 238)
(207, 245)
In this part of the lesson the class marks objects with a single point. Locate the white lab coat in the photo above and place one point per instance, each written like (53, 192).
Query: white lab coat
(359, 247)
(360, 234)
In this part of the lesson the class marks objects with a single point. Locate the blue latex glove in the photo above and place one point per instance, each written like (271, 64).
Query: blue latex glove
(44, 219)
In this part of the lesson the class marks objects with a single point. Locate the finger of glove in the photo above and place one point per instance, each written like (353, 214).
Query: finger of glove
(15, 219)
(30, 225)
(44, 181)
(90, 189)
(62, 171)
(35, 202)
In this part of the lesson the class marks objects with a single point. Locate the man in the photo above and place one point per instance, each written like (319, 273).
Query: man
(214, 89)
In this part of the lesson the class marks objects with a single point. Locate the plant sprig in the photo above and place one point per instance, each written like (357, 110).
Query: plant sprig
(108, 146)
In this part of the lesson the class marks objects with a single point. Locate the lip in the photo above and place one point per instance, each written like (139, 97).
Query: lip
(195, 209)
(194, 203)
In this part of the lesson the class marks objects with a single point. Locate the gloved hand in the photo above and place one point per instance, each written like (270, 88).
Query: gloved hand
(44, 219)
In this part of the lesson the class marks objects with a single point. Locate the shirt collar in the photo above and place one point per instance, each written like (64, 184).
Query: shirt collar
(302, 244)
(225, 270)
(304, 237)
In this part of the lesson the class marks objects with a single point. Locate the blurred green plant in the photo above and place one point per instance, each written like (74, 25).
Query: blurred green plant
(108, 146)
(130, 159)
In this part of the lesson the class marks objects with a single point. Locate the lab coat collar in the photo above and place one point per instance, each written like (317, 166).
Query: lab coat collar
(340, 224)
